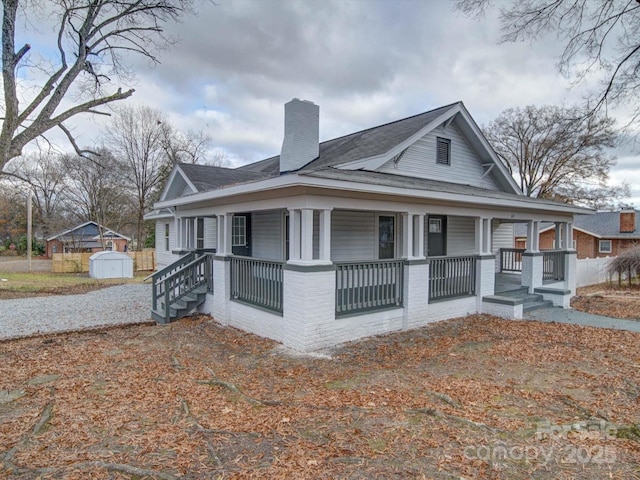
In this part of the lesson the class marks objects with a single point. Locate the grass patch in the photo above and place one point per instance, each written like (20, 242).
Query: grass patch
(57, 283)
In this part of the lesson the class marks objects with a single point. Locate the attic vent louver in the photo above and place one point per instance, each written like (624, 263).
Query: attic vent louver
(443, 152)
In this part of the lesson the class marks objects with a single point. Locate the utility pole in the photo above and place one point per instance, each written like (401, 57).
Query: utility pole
(29, 222)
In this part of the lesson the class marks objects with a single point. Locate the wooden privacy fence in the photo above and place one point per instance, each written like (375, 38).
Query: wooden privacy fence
(79, 262)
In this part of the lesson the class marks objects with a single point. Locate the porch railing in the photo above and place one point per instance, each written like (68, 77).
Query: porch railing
(369, 285)
(180, 281)
(258, 282)
(511, 259)
(451, 277)
(553, 265)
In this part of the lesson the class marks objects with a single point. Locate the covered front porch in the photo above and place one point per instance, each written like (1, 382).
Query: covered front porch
(317, 275)
(527, 278)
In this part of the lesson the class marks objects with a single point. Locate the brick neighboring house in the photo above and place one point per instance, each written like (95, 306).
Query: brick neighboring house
(604, 234)
(85, 238)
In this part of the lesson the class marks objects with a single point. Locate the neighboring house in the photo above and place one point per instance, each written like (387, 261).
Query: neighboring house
(86, 238)
(603, 234)
(384, 229)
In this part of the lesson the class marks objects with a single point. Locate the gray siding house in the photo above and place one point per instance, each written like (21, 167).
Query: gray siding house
(384, 229)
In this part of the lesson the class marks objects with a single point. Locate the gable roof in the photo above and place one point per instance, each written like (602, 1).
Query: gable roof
(374, 145)
(357, 146)
(87, 231)
(599, 225)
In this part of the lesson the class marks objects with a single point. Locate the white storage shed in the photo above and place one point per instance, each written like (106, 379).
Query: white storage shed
(110, 265)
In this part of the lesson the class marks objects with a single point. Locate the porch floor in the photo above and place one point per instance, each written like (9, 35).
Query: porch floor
(506, 282)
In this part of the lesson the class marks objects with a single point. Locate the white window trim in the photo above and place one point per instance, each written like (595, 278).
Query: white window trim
(235, 239)
(438, 220)
(601, 250)
(167, 237)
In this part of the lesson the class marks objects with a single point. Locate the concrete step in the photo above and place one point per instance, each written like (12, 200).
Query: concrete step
(528, 307)
(514, 293)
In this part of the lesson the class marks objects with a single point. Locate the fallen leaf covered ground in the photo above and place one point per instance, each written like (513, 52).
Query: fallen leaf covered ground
(610, 300)
(477, 397)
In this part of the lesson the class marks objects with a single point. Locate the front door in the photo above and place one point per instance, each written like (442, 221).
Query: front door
(436, 235)
(241, 234)
(386, 237)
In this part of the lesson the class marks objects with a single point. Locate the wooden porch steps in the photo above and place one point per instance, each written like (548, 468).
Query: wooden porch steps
(183, 307)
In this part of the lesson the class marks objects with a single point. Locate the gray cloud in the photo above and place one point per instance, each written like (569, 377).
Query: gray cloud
(363, 62)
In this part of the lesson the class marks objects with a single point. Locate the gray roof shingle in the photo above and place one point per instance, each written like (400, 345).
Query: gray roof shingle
(601, 224)
(359, 145)
(402, 181)
(206, 177)
(606, 224)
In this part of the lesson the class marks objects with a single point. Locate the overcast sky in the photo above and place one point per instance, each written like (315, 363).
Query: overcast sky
(363, 62)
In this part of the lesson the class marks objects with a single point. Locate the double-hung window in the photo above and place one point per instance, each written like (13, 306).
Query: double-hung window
(239, 231)
(604, 246)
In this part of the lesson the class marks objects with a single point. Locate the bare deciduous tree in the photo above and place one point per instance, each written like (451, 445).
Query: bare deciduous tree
(13, 212)
(136, 138)
(95, 191)
(599, 36)
(92, 42)
(189, 147)
(557, 153)
(43, 172)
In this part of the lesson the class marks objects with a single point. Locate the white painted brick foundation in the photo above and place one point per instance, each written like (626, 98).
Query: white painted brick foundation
(485, 278)
(416, 294)
(511, 312)
(308, 308)
(532, 267)
(219, 304)
(308, 321)
(570, 271)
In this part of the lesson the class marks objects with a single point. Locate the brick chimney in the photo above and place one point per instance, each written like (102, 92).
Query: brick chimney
(301, 134)
(627, 221)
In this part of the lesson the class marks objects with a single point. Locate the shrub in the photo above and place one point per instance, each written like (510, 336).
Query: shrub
(626, 263)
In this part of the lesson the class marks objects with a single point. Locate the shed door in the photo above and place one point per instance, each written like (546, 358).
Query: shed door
(436, 235)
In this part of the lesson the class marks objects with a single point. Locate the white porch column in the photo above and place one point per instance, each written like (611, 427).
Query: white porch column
(478, 238)
(558, 237)
(533, 236)
(486, 237)
(568, 236)
(325, 235)
(306, 234)
(223, 236)
(407, 235)
(532, 264)
(228, 227)
(483, 236)
(294, 235)
(419, 236)
(485, 263)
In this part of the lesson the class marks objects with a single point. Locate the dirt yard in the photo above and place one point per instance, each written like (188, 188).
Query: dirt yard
(474, 398)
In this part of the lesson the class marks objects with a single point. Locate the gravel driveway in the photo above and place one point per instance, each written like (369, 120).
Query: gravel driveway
(117, 305)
